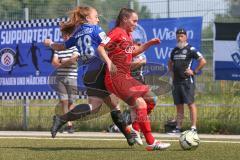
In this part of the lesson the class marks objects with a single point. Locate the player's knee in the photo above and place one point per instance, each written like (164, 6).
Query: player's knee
(140, 103)
(191, 105)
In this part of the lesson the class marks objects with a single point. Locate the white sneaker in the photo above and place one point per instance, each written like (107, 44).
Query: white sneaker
(136, 135)
(174, 132)
(157, 145)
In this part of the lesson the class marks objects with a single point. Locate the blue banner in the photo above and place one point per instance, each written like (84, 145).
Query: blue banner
(226, 54)
(165, 30)
(25, 64)
(25, 61)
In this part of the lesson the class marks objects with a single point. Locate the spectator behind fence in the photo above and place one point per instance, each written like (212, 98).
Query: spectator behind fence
(180, 64)
(66, 72)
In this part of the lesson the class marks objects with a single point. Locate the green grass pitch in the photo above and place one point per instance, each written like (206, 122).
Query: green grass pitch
(107, 149)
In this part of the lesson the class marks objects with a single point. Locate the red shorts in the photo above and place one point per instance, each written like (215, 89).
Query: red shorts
(126, 87)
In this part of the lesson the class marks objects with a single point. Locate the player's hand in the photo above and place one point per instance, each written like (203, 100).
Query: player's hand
(154, 41)
(189, 72)
(112, 69)
(47, 42)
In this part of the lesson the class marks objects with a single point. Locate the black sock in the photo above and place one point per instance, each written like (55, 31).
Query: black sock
(119, 122)
(77, 112)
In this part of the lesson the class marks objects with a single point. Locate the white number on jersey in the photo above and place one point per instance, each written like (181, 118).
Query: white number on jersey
(85, 46)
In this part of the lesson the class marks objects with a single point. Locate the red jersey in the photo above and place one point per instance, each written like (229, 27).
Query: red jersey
(119, 45)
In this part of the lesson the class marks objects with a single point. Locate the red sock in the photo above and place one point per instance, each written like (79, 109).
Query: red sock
(136, 126)
(144, 123)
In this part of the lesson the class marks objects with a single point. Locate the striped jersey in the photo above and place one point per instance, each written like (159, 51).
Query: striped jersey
(70, 71)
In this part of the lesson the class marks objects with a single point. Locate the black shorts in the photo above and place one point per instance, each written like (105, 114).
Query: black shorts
(183, 93)
(94, 81)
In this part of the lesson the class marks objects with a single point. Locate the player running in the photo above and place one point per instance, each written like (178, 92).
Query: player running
(87, 37)
(121, 49)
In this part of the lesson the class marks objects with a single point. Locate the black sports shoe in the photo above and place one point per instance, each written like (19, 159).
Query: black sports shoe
(130, 139)
(57, 124)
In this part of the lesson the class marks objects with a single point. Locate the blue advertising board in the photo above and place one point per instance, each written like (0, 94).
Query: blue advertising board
(165, 30)
(25, 63)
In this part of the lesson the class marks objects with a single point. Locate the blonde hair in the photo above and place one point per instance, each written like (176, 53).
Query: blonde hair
(77, 17)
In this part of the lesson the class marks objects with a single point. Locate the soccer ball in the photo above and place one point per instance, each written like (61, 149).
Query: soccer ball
(189, 140)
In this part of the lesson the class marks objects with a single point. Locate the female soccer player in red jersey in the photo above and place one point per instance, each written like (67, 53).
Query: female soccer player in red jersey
(87, 37)
(121, 49)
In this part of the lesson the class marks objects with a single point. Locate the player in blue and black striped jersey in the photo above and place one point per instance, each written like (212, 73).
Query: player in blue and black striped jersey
(87, 36)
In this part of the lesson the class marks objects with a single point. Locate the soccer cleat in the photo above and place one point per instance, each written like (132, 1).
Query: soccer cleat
(57, 124)
(174, 131)
(136, 135)
(130, 140)
(157, 145)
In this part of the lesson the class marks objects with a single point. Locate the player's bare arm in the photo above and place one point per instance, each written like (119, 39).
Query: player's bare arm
(53, 45)
(55, 62)
(111, 67)
(139, 49)
(70, 61)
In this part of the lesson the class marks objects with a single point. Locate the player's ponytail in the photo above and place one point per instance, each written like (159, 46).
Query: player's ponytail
(124, 13)
(77, 17)
(67, 29)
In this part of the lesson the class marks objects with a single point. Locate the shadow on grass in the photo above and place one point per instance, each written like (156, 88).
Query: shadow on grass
(129, 149)
(181, 150)
(71, 148)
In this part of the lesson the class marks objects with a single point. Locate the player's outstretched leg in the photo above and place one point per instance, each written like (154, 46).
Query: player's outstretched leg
(57, 124)
(78, 112)
(121, 124)
(145, 126)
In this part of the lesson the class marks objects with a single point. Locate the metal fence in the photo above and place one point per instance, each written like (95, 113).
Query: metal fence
(208, 9)
(209, 91)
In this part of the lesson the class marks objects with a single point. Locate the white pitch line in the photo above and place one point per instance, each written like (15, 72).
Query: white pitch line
(109, 139)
